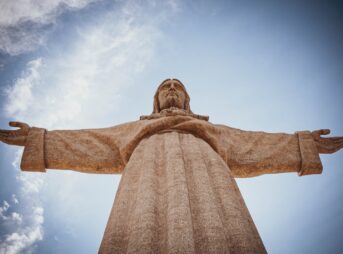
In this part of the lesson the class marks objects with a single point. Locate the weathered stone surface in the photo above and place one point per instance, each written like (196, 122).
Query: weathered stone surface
(177, 193)
(108, 150)
(178, 196)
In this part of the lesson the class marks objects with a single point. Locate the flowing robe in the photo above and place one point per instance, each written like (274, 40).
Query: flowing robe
(177, 192)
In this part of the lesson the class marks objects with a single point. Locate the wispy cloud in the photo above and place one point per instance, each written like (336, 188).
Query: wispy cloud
(25, 236)
(9, 216)
(22, 227)
(25, 25)
(20, 93)
(14, 12)
(3, 210)
(21, 234)
(85, 79)
(76, 88)
(14, 199)
(22, 38)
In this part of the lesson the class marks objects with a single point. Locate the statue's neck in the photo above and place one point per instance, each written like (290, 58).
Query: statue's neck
(173, 111)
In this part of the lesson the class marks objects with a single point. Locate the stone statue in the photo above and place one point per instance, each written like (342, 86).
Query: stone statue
(177, 192)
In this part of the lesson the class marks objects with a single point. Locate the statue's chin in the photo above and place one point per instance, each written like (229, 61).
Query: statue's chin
(171, 102)
(171, 108)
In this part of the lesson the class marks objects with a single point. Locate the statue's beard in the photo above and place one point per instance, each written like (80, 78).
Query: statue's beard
(172, 101)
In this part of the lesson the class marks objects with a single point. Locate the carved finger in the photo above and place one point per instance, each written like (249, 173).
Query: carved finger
(5, 131)
(5, 140)
(331, 141)
(322, 132)
(3, 136)
(336, 148)
(330, 147)
(339, 143)
(8, 134)
(19, 125)
(316, 134)
(325, 132)
(336, 139)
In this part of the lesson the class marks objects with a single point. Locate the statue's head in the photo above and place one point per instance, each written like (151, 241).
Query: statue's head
(172, 99)
(171, 93)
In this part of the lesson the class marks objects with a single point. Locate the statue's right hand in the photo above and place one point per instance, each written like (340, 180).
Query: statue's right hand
(15, 137)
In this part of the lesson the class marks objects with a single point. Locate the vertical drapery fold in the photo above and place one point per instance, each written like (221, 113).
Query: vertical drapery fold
(115, 239)
(179, 219)
(241, 233)
(143, 224)
(177, 195)
(209, 232)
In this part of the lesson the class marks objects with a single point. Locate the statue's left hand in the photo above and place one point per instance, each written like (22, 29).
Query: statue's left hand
(15, 137)
(327, 145)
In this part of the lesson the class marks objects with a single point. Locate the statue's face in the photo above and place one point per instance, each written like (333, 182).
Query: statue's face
(171, 94)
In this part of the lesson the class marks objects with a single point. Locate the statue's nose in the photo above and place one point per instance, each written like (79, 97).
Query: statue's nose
(172, 86)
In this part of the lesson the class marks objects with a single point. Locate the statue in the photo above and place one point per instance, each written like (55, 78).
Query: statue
(177, 192)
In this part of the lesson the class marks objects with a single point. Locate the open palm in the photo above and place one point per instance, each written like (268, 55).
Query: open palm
(327, 145)
(15, 137)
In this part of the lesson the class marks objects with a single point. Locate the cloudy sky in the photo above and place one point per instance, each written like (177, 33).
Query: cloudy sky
(275, 66)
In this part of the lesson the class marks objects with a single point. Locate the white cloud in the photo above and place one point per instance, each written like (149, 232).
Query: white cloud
(79, 87)
(22, 38)
(22, 230)
(16, 217)
(17, 11)
(3, 210)
(30, 183)
(20, 93)
(26, 24)
(24, 237)
(14, 199)
(84, 80)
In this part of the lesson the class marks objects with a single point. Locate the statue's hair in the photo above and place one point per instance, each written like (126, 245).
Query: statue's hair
(157, 108)
(185, 112)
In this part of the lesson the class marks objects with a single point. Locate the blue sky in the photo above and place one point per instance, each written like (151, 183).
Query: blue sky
(275, 66)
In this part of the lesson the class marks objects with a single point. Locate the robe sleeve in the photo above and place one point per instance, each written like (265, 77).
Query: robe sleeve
(89, 151)
(249, 153)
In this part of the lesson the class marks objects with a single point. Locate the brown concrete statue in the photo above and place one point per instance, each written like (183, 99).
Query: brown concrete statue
(177, 192)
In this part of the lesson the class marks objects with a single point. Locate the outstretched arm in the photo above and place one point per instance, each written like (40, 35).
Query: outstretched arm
(250, 153)
(91, 151)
